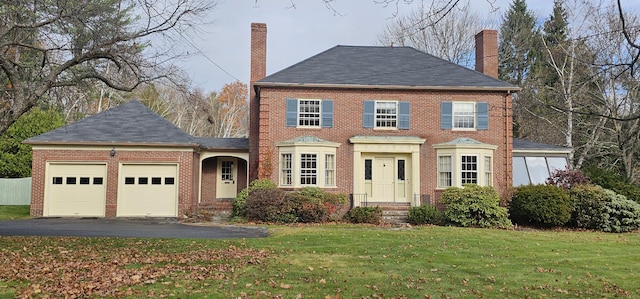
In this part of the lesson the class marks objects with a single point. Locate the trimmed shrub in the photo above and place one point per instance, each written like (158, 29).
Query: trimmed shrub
(589, 206)
(240, 202)
(371, 215)
(474, 205)
(424, 214)
(540, 206)
(270, 205)
(267, 203)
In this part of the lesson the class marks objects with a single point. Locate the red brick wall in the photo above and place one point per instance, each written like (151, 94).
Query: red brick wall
(185, 160)
(209, 169)
(425, 123)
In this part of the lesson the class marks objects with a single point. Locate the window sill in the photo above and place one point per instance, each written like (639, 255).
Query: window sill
(385, 129)
(464, 130)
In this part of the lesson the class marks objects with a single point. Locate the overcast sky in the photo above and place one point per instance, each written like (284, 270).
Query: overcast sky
(294, 34)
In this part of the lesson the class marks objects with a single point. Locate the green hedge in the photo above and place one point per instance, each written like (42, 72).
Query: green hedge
(474, 205)
(540, 206)
(425, 214)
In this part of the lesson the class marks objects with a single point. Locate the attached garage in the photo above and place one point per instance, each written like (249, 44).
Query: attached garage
(149, 190)
(75, 189)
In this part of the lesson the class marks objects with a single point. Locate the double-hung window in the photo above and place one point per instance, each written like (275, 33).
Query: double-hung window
(464, 115)
(329, 170)
(488, 171)
(308, 169)
(386, 115)
(444, 171)
(469, 169)
(309, 113)
(286, 169)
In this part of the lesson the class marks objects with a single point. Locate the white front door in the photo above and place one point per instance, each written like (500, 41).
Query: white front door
(383, 183)
(227, 178)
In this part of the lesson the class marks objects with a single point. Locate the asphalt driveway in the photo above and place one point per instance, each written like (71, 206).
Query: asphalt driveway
(131, 228)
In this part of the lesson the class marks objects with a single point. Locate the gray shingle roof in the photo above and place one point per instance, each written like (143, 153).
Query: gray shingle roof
(223, 143)
(382, 66)
(129, 123)
(524, 145)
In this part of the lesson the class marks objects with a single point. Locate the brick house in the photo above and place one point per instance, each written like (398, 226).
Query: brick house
(388, 125)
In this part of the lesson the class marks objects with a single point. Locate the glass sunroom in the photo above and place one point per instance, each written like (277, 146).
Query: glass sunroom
(534, 162)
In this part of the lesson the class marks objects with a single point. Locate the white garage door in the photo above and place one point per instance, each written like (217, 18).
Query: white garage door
(75, 190)
(148, 190)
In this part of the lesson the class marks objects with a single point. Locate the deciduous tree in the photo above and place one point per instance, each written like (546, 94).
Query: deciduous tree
(49, 44)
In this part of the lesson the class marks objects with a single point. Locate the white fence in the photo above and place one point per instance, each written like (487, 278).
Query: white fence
(14, 192)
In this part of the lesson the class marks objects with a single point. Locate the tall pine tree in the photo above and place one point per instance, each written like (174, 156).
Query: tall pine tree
(516, 38)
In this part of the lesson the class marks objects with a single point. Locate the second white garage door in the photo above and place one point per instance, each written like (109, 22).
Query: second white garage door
(148, 190)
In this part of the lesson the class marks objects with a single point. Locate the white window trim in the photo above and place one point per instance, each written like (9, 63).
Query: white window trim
(488, 171)
(441, 171)
(456, 164)
(297, 150)
(281, 173)
(315, 176)
(453, 116)
(329, 180)
(476, 171)
(298, 112)
(375, 115)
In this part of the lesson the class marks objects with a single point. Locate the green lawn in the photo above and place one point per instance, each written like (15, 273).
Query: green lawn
(331, 261)
(14, 212)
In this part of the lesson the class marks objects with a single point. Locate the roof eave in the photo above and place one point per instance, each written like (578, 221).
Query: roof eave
(103, 143)
(509, 89)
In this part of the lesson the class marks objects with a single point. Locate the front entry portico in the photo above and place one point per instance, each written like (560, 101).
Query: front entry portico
(386, 168)
(222, 175)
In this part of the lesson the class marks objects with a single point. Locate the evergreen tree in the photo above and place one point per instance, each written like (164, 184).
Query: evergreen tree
(516, 40)
(15, 156)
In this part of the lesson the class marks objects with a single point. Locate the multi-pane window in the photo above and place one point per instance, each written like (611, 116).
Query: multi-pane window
(386, 114)
(286, 173)
(463, 115)
(329, 169)
(488, 172)
(226, 170)
(309, 113)
(444, 171)
(308, 169)
(469, 170)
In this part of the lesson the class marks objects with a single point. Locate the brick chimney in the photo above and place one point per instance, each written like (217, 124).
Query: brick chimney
(258, 51)
(487, 52)
(258, 71)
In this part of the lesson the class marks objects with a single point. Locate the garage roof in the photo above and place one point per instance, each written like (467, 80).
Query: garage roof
(129, 123)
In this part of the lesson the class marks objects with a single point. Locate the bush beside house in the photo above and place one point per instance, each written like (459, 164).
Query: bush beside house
(540, 206)
(474, 205)
(262, 201)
